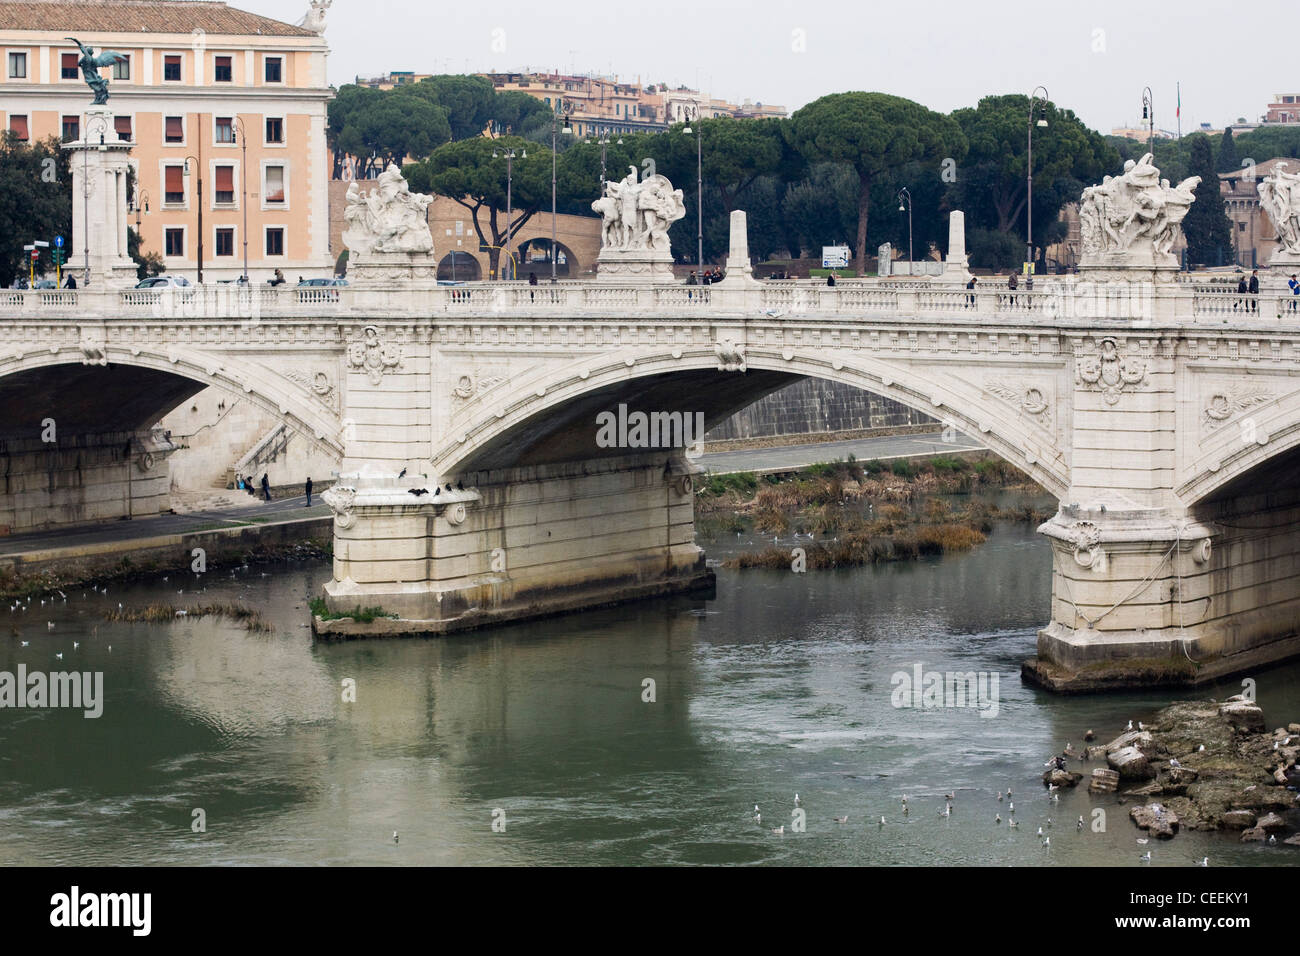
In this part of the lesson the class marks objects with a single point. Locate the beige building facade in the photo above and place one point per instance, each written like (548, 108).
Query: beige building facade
(212, 98)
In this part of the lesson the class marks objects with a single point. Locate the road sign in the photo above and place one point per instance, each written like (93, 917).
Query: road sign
(41, 243)
(58, 242)
(835, 257)
(36, 254)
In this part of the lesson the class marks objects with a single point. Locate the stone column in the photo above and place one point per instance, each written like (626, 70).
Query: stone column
(956, 266)
(99, 162)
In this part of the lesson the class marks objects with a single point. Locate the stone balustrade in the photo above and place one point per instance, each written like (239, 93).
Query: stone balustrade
(1055, 301)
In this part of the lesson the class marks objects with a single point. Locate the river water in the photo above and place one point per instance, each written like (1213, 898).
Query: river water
(779, 685)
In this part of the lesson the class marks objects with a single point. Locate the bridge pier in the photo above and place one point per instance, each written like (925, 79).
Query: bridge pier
(515, 543)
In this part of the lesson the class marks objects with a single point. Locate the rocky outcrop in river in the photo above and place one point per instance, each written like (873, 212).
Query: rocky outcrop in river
(1207, 765)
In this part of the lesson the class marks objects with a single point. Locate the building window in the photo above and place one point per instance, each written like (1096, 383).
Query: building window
(225, 189)
(122, 68)
(172, 69)
(274, 129)
(17, 66)
(68, 66)
(173, 130)
(273, 190)
(225, 129)
(174, 242)
(122, 126)
(174, 184)
(221, 72)
(274, 69)
(71, 128)
(18, 126)
(275, 241)
(225, 242)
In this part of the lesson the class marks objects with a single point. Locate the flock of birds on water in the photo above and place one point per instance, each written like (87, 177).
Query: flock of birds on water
(1044, 838)
(22, 606)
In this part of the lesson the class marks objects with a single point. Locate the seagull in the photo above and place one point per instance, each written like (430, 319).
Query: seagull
(1047, 841)
(75, 645)
(1201, 749)
(1143, 841)
(395, 837)
(1205, 861)
(1145, 857)
(26, 643)
(1011, 807)
(1272, 840)
(1141, 726)
(1040, 831)
(998, 818)
(758, 817)
(843, 819)
(1173, 762)
(1049, 821)
(1052, 788)
(949, 796)
(1130, 725)
(59, 655)
(999, 796)
(882, 821)
(779, 830)
(1008, 792)
(1012, 823)
(49, 625)
(796, 799)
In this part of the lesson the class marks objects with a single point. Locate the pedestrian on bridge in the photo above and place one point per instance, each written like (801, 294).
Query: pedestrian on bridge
(970, 293)
(266, 486)
(1295, 291)
(1253, 288)
(1012, 283)
(308, 487)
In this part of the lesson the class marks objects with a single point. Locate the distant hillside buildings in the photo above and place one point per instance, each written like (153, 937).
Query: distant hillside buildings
(601, 104)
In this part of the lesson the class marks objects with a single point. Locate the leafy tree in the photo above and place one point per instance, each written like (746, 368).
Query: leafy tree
(146, 264)
(822, 210)
(467, 172)
(384, 126)
(1229, 158)
(993, 249)
(1206, 227)
(513, 109)
(35, 201)
(993, 180)
(467, 101)
(873, 133)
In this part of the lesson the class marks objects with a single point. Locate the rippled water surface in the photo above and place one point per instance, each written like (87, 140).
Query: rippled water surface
(781, 684)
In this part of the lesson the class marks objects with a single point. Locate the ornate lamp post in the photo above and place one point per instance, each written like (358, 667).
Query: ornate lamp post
(692, 113)
(905, 202)
(510, 157)
(200, 202)
(243, 185)
(604, 144)
(1029, 164)
(561, 109)
(1149, 114)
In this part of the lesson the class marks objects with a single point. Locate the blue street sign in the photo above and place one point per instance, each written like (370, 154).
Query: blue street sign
(58, 242)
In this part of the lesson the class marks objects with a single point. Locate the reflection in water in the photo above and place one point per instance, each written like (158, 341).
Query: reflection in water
(779, 685)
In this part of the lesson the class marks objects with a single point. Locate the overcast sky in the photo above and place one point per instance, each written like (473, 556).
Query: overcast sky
(942, 53)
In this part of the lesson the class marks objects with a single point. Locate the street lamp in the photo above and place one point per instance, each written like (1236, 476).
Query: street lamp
(510, 157)
(102, 124)
(1029, 164)
(905, 197)
(200, 202)
(604, 144)
(243, 185)
(561, 109)
(1149, 114)
(692, 113)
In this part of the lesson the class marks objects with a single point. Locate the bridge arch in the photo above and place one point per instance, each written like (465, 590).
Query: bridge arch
(63, 381)
(483, 433)
(1246, 443)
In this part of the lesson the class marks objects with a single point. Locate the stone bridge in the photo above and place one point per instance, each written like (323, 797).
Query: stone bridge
(1163, 416)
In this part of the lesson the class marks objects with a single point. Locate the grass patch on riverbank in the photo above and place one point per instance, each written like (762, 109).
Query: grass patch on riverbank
(166, 613)
(362, 615)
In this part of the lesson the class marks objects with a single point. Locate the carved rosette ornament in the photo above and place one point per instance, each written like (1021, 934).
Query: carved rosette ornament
(1086, 538)
(1030, 399)
(341, 498)
(467, 386)
(1230, 400)
(1110, 370)
(373, 356)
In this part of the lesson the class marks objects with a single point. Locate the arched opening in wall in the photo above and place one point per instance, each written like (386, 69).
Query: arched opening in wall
(459, 266)
(535, 257)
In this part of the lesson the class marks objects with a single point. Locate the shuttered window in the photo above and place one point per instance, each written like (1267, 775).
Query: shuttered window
(174, 184)
(18, 126)
(225, 184)
(175, 130)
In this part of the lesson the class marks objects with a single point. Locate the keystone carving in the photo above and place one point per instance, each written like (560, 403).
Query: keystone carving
(731, 357)
(372, 356)
(1110, 370)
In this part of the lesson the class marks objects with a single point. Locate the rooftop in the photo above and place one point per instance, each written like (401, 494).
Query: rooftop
(143, 16)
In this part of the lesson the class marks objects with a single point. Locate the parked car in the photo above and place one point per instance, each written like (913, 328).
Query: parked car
(321, 282)
(159, 282)
(45, 284)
